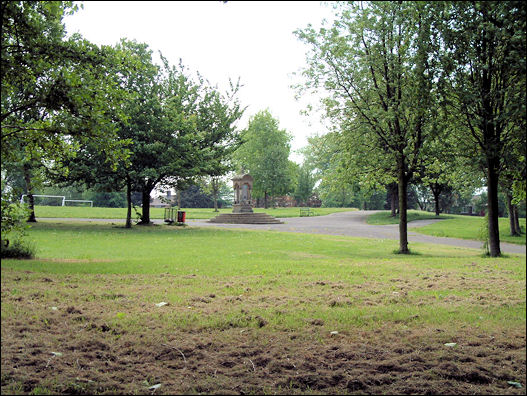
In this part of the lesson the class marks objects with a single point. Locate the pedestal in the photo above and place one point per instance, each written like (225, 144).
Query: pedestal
(242, 208)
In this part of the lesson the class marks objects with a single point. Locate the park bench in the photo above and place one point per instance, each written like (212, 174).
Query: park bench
(307, 212)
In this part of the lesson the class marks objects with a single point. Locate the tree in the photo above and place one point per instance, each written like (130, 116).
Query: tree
(443, 171)
(53, 90)
(305, 184)
(178, 129)
(375, 62)
(484, 53)
(55, 93)
(195, 197)
(264, 153)
(339, 182)
(216, 187)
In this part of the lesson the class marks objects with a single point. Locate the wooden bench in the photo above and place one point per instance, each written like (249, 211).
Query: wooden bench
(307, 212)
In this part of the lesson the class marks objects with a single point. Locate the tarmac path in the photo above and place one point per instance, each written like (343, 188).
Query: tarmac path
(351, 223)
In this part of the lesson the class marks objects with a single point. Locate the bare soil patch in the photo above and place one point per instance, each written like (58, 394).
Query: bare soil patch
(99, 358)
(73, 341)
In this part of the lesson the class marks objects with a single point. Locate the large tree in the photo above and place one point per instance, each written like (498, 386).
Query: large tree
(375, 63)
(264, 153)
(178, 128)
(484, 53)
(55, 92)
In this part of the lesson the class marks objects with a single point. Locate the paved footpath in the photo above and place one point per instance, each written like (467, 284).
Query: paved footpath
(351, 223)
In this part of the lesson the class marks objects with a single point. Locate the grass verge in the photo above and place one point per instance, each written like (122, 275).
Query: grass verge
(256, 312)
(384, 217)
(158, 213)
(451, 226)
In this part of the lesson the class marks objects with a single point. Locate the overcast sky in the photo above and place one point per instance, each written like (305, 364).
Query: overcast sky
(250, 40)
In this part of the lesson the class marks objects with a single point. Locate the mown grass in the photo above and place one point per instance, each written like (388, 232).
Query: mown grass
(242, 303)
(452, 226)
(468, 227)
(158, 213)
(384, 217)
(213, 278)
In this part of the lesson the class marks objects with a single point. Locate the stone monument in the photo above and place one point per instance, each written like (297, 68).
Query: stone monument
(243, 186)
(242, 208)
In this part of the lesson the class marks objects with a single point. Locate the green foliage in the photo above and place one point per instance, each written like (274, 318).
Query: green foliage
(13, 215)
(339, 185)
(17, 248)
(55, 92)
(483, 57)
(13, 243)
(220, 191)
(378, 102)
(305, 184)
(179, 128)
(195, 197)
(265, 155)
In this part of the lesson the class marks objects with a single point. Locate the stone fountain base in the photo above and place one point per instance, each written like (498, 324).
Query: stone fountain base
(245, 218)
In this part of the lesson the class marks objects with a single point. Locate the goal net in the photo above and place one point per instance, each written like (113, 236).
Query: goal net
(45, 200)
(78, 202)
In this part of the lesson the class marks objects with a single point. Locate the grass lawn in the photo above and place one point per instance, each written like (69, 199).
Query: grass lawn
(158, 213)
(257, 312)
(453, 226)
(384, 217)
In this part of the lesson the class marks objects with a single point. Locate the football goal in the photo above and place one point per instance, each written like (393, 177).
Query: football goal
(77, 202)
(56, 200)
(45, 201)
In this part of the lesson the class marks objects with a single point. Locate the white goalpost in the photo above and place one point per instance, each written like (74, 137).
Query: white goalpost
(63, 199)
(46, 196)
(78, 200)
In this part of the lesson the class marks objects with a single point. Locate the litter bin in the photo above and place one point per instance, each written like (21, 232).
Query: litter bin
(180, 216)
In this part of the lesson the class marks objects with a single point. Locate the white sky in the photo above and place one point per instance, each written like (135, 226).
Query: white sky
(250, 40)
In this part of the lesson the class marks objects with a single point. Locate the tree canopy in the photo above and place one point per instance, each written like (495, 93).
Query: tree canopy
(484, 62)
(374, 61)
(178, 128)
(55, 91)
(264, 153)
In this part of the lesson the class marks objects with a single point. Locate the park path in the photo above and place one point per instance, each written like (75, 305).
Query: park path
(351, 223)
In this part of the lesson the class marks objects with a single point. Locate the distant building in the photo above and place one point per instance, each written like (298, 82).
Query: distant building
(162, 201)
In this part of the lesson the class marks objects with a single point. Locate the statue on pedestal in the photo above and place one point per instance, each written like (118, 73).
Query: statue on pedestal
(243, 186)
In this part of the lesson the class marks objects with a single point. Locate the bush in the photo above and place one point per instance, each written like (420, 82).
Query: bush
(17, 249)
(13, 227)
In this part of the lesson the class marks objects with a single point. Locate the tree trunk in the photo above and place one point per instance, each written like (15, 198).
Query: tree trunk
(436, 202)
(517, 227)
(265, 199)
(403, 206)
(29, 188)
(512, 215)
(128, 204)
(145, 215)
(492, 208)
(215, 188)
(393, 201)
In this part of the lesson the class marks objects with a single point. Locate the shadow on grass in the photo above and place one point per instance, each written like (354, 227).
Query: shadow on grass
(410, 253)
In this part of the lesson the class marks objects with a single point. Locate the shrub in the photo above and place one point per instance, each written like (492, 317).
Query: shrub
(13, 228)
(17, 249)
